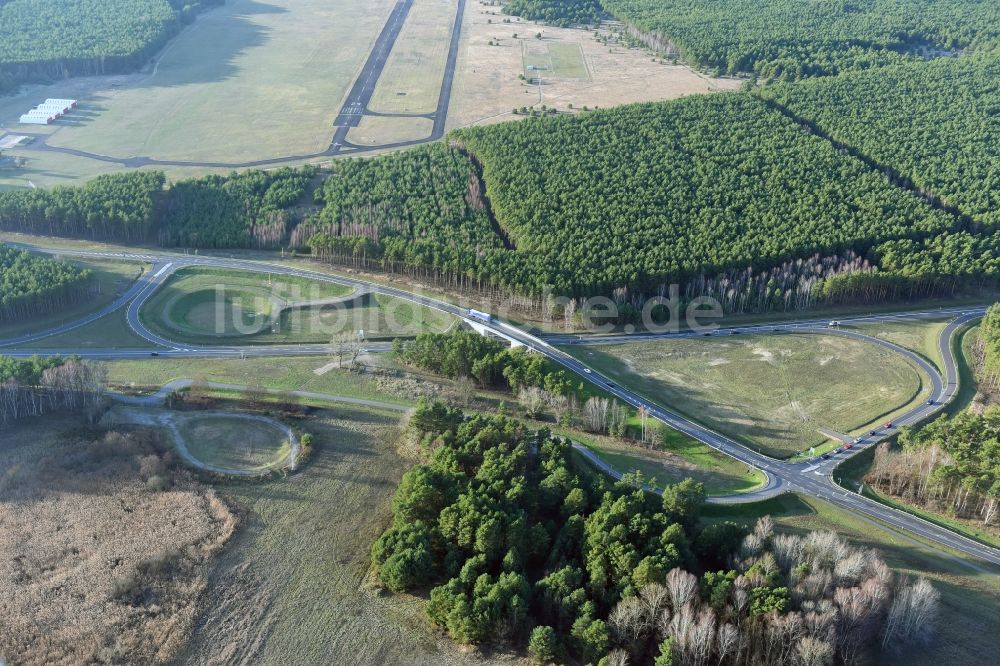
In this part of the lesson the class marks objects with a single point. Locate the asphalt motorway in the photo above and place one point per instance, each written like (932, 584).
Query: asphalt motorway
(811, 477)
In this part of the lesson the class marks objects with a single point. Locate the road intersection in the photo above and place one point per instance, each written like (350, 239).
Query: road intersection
(811, 477)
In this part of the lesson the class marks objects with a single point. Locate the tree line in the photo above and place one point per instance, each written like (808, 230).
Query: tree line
(556, 12)
(951, 465)
(788, 39)
(521, 548)
(38, 386)
(987, 348)
(42, 40)
(31, 285)
(251, 209)
(112, 206)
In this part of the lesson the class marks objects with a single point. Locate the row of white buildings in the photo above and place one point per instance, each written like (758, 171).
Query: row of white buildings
(48, 111)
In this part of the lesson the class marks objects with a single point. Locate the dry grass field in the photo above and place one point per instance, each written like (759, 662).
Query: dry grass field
(291, 587)
(104, 546)
(750, 387)
(920, 336)
(377, 131)
(411, 80)
(583, 71)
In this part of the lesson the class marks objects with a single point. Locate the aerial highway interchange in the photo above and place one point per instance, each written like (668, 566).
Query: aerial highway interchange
(813, 477)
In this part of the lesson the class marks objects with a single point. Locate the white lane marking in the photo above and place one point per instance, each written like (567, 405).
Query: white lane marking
(163, 270)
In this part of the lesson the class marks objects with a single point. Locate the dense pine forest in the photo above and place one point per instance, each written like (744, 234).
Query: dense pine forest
(556, 12)
(520, 547)
(637, 196)
(421, 209)
(789, 39)
(988, 350)
(31, 285)
(245, 210)
(934, 124)
(51, 39)
(118, 206)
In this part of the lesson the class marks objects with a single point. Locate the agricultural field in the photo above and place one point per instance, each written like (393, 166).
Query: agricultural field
(249, 80)
(585, 71)
(750, 388)
(969, 589)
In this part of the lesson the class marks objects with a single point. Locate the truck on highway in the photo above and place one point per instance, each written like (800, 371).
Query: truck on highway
(482, 316)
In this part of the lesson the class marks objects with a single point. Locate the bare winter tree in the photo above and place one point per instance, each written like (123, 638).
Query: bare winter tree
(617, 418)
(629, 621)
(703, 637)
(726, 640)
(681, 586)
(912, 615)
(657, 599)
(341, 346)
(618, 658)
(72, 385)
(255, 397)
(532, 399)
(595, 413)
(811, 651)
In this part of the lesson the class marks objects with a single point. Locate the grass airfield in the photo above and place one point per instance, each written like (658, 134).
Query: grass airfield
(251, 80)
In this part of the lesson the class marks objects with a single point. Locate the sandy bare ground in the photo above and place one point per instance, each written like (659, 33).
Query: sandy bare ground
(487, 86)
(171, 422)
